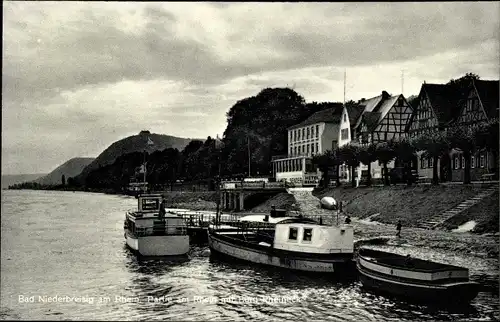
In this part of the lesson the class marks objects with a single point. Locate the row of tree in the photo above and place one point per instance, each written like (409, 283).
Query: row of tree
(435, 145)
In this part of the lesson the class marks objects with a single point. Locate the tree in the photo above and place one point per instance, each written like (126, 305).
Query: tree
(463, 139)
(405, 150)
(434, 145)
(324, 161)
(63, 180)
(385, 154)
(367, 155)
(261, 121)
(349, 153)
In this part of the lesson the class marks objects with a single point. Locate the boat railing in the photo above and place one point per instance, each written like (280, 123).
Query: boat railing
(161, 229)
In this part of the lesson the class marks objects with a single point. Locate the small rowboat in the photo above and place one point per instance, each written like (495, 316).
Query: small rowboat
(415, 279)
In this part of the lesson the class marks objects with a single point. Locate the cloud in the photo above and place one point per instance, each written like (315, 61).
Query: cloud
(81, 75)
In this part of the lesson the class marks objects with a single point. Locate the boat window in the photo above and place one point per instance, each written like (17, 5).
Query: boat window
(293, 233)
(307, 234)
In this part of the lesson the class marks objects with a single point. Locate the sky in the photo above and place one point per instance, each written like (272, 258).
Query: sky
(78, 76)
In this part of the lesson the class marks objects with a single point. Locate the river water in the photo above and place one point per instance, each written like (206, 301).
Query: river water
(69, 247)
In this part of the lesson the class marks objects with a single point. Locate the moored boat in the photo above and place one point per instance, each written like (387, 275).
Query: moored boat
(151, 231)
(293, 243)
(415, 279)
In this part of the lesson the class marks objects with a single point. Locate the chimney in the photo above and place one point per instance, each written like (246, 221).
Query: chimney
(385, 95)
(363, 99)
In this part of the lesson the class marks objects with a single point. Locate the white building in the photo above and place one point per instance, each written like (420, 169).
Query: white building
(323, 130)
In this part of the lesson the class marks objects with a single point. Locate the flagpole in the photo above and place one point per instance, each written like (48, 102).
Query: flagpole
(248, 145)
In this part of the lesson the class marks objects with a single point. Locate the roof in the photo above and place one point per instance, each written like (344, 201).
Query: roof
(329, 115)
(375, 109)
(488, 94)
(444, 100)
(354, 112)
(371, 103)
(371, 120)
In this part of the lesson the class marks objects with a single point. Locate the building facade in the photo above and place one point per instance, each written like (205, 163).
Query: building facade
(382, 118)
(324, 130)
(443, 106)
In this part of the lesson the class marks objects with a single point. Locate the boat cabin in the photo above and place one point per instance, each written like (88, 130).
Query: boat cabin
(313, 238)
(303, 234)
(148, 221)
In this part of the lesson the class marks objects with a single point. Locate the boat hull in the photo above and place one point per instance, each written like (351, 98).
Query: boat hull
(340, 265)
(446, 293)
(158, 245)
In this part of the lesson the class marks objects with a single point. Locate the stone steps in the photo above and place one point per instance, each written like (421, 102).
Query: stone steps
(442, 217)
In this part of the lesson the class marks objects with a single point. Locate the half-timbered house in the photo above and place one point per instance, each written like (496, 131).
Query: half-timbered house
(384, 118)
(481, 104)
(437, 109)
(442, 106)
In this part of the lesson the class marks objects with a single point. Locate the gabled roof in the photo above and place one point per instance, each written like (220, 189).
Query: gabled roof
(372, 111)
(444, 100)
(488, 95)
(355, 112)
(371, 119)
(329, 115)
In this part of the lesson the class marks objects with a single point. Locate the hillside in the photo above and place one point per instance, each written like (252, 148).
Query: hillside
(11, 179)
(70, 168)
(135, 143)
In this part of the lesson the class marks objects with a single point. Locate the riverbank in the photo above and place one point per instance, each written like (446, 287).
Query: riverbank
(416, 204)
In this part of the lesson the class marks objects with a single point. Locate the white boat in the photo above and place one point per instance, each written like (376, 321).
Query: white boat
(293, 243)
(151, 231)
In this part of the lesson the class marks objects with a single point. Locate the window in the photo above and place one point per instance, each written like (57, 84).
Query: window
(472, 163)
(308, 133)
(481, 160)
(292, 233)
(463, 162)
(303, 149)
(455, 163)
(312, 131)
(345, 117)
(312, 148)
(307, 148)
(430, 162)
(307, 235)
(295, 151)
(303, 134)
(422, 162)
(317, 130)
(344, 134)
(317, 148)
(291, 151)
(334, 145)
(291, 137)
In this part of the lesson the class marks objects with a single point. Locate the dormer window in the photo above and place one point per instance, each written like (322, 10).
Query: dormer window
(293, 233)
(307, 235)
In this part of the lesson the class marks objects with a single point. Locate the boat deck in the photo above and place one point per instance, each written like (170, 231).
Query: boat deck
(400, 261)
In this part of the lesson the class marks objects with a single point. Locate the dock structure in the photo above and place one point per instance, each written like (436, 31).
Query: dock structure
(233, 193)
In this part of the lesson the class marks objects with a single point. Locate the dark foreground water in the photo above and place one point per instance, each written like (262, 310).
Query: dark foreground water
(69, 248)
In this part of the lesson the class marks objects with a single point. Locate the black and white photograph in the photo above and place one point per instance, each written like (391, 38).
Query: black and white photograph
(250, 161)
